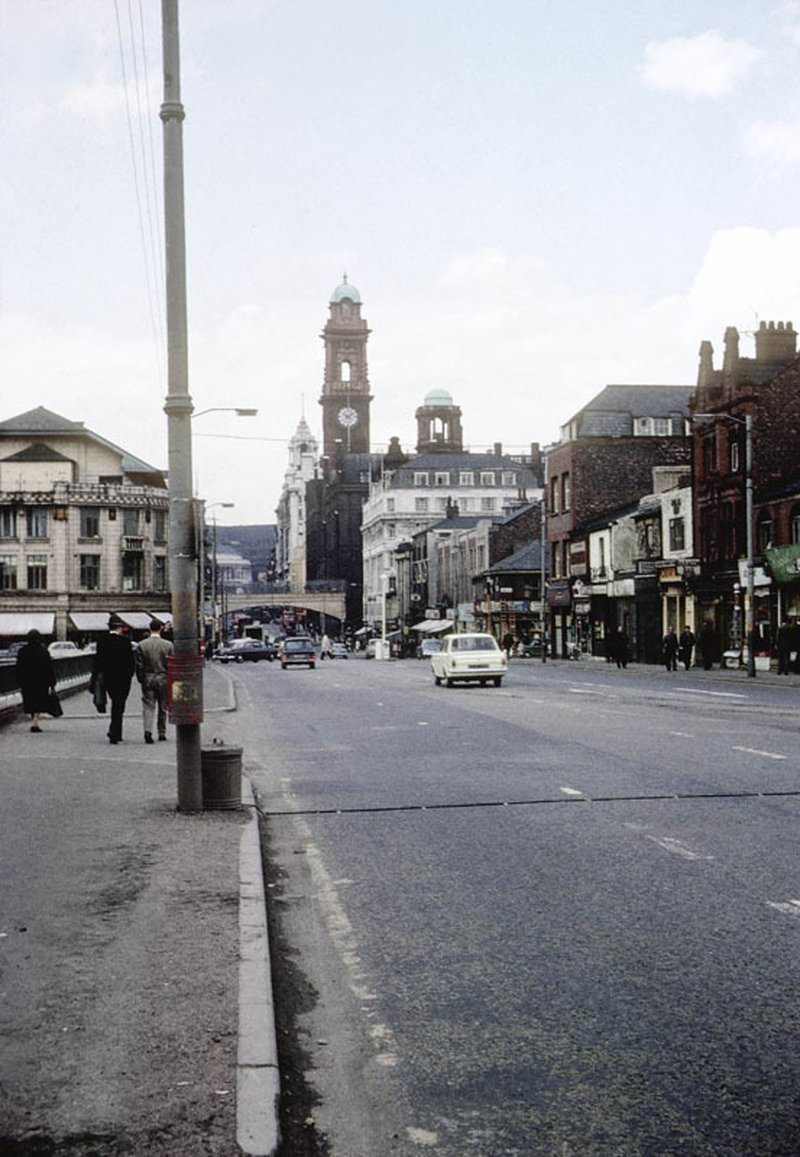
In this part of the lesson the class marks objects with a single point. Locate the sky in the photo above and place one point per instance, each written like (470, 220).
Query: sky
(533, 199)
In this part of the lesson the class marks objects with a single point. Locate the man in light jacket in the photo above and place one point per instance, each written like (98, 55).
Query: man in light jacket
(151, 671)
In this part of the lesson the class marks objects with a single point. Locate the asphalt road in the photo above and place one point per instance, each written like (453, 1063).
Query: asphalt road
(560, 917)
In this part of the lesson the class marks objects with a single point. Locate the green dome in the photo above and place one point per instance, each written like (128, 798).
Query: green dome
(438, 398)
(346, 290)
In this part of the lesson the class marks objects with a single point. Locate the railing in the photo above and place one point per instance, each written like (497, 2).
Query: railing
(68, 668)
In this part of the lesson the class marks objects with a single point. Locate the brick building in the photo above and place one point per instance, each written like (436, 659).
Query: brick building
(767, 388)
(604, 462)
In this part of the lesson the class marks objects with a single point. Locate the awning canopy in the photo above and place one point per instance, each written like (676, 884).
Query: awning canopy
(362, 631)
(431, 626)
(89, 620)
(19, 623)
(784, 563)
(136, 620)
(162, 616)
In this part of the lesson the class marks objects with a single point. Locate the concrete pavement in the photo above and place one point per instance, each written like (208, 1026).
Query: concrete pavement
(135, 990)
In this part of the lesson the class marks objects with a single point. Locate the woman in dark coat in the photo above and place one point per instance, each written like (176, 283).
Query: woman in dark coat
(35, 677)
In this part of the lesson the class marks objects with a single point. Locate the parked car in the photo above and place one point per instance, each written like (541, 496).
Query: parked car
(530, 648)
(473, 657)
(244, 651)
(298, 651)
(338, 651)
(58, 650)
(428, 647)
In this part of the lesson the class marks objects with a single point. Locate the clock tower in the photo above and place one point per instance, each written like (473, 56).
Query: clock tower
(345, 391)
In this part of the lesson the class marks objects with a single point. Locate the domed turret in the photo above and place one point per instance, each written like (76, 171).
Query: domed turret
(345, 290)
(439, 424)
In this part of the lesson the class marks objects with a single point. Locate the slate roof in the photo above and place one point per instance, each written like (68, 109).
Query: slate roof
(42, 421)
(527, 558)
(611, 412)
(462, 522)
(38, 452)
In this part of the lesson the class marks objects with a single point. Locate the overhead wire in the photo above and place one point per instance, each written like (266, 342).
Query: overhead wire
(139, 181)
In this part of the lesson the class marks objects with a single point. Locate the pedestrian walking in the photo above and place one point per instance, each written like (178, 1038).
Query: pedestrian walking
(36, 678)
(324, 648)
(686, 643)
(151, 670)
(114, 666)
(508, 643)
(708, 644)
(669, 650)
(621, 648)
(794, 647)
(611, 645)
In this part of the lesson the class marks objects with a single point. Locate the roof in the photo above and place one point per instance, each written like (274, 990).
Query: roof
(462, 522)
(462, 460)
(38, 452)
(527, 558)
(610, 413)
(41, 421)
(345, 290)
(438, 398)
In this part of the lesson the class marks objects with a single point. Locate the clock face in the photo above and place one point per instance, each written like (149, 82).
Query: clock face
(347, 416)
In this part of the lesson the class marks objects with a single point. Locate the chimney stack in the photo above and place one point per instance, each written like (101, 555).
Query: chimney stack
(776, 343)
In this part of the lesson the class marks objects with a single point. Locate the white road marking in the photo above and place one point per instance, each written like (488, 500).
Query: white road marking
(718, 694)
(422, 723)
(682, 734)
(755, 751)
(789, 907)
(583, 691)
(677, 847)
(570, 791)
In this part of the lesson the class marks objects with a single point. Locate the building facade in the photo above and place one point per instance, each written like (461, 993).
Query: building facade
(290, 545)
(83, 529)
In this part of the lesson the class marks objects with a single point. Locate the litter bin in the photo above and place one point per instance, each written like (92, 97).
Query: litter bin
(221, 769)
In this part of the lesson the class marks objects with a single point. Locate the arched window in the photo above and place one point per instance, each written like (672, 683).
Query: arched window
(344, 371)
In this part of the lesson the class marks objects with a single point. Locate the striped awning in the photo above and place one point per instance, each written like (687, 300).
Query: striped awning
(136, 620)
(89, 620)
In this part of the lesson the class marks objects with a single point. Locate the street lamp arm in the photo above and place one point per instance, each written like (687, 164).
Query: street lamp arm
(238, 410)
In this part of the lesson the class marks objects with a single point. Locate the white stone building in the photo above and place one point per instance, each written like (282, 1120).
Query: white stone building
(290, 546)
(83, 529)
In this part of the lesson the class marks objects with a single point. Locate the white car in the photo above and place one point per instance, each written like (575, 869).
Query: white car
(469, 657)
(60, 649)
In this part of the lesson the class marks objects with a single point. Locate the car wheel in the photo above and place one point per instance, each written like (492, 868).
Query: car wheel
(482, 682)
(437, 680)
(448, 682)
(312, 666)
(283, 666)
(498, 679)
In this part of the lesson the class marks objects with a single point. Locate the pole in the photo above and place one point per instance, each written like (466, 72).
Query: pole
(187, 682)
(384, 585)
(214, 616)
(544, 568)
(749, 608)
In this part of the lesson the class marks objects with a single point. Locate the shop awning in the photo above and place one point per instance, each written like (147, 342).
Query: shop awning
(362, 631)
(89, 620)
(783, 563)
(19, 623)
(161, 616)
(136, 620)
(431, 626)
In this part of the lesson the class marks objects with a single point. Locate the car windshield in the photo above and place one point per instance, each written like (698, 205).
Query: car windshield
(297, 645)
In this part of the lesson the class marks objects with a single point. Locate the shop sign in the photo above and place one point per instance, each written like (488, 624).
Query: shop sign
(760, 576)
(432, 613)
(559, 593)
(520, 607)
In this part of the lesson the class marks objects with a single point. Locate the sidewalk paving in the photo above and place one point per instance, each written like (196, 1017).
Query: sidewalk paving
(135, 1000)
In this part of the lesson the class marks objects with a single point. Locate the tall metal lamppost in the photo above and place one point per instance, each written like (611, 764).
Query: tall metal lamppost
(749, 608)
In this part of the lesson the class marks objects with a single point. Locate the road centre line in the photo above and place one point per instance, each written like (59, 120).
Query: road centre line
(677, 847)
(789, 907)
(755, 751)
(682, 734)
(717, 694)
(570, 791)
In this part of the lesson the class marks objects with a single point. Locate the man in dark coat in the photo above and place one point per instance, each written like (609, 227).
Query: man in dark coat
(669, 650)
(35, 677)
(687, 646)
(114, 664)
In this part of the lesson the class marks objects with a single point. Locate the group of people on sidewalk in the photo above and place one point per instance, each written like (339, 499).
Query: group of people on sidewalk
(116, 662)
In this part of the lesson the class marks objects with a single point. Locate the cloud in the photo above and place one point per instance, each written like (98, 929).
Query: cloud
(706, 65)
(790, 11)
(774, 141)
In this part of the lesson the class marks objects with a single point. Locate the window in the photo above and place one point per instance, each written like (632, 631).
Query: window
(488, 504)
(642, 426)
(487, 477)
(159, 572)
(566, 492)
(8, 522)
(90, 522)
(464, 504)
(733, 451)
(160, 526)
(90, 572)
(509, 478)
(764, 531)
(390, 530)
(37, 522)
(390, 506)
(794, 526)
(130, 522)
(442, 478)
(421, 505)
(441, 504)
(466, 478)
(661, 427)
(420, 478)
(677, 539)
(554, 496)
(710, 453)
(37, 572)
(8, 572)
(132, 571)
(344, 374)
